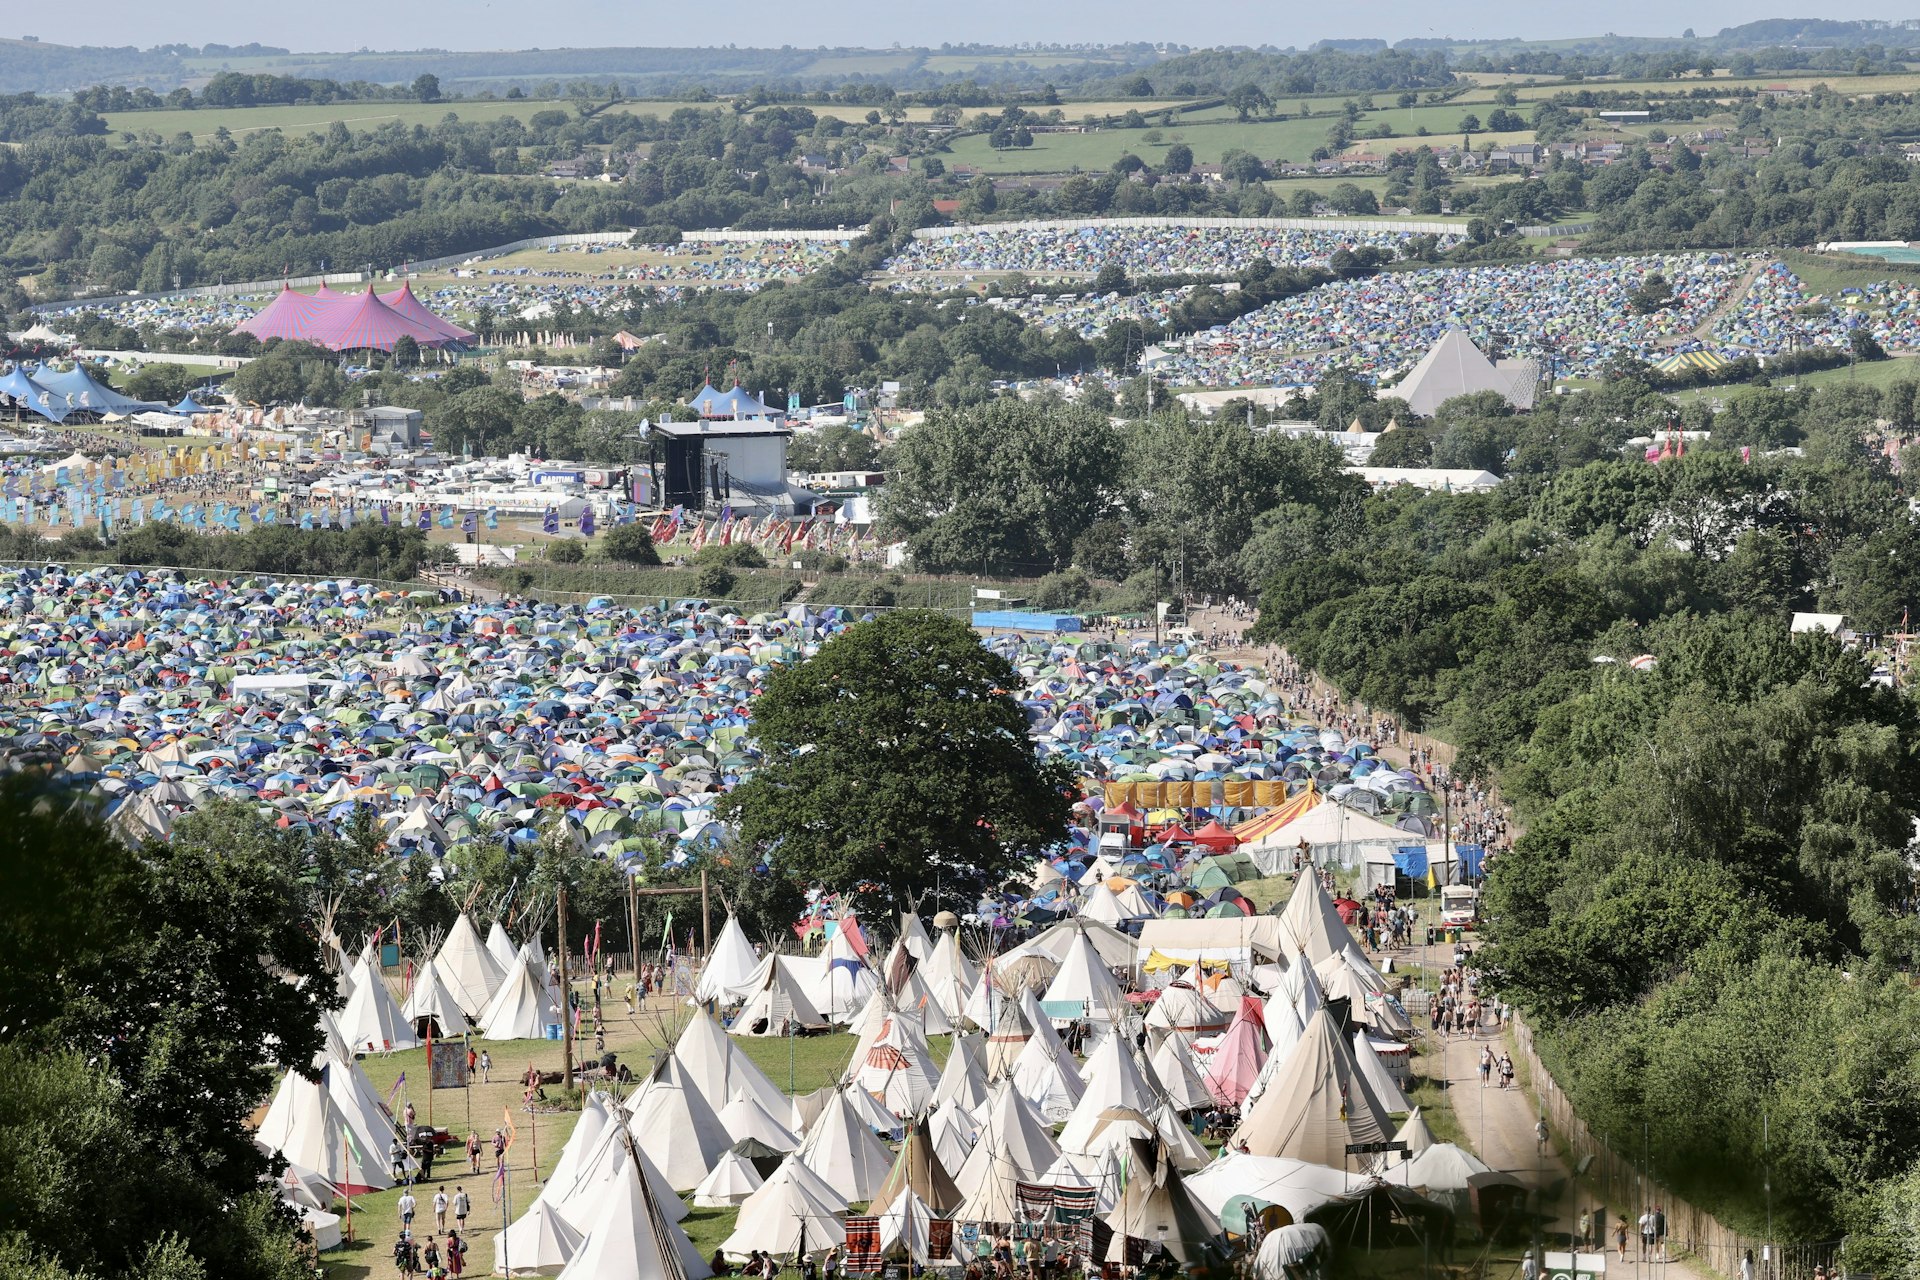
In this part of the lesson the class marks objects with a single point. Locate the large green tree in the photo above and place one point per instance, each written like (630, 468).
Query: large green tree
(152, 995)
(898, 765)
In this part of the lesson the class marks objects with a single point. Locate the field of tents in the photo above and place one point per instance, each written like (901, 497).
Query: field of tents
(892, 1095)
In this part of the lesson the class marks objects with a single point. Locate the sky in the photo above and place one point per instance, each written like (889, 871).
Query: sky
(504, 24)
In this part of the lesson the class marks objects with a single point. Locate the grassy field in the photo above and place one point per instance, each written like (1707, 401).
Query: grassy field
(795, 1065)
(1293, 140)
(202, 122)
(1873, 373)
(1828, 273)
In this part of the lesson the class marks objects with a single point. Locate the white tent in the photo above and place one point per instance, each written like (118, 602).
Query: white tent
(1099, 903)
(1310, 923)
(949, 975)
(981, 1008)
(1173, 1069)
(785, 1217)
(672, 1117)
(1298, 1186)
(501, 947)
(745, 1119)
(471, 972)
(598, 1169)
(1014, 1144)
(730, 966)
(1337, 834)
(904, 1228)
(430, 998)
(1180, 1008)
(1415, 1133)
(898, 1068)
(583, 1146)
(1113, 1079)
(777, 1003)
(952, 1130)
(721, 1069)
(628, 1235)
(522, 1008)
(841, 1149)
(730, 1183)
(964, 1079)
(539, 1240)
(372, 1021)
(1046, 1077)
(304, 1124)
(1315, 1105)
(1008, 1038)
(913, 935)
(1084, 987)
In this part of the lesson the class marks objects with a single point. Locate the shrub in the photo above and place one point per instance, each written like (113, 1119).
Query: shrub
(629, 544)
(735, 555)
(1066, 589)
(565, 552)
(714, 581)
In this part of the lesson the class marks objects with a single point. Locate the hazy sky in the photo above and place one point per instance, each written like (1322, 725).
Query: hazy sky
(515, 24)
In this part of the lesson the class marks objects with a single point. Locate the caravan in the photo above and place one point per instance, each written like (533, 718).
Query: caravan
(1459, 906)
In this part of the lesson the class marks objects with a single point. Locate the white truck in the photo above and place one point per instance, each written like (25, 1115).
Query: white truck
(1459, 906)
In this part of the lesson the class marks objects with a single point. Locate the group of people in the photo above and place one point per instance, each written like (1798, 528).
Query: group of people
(425, 1255)
(1591, 1230)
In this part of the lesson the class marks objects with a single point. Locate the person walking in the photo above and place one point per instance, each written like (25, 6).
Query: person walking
(486, 1067)
(1646, 1235)
(1486, 1064)
(1746, 1265)
(462, 1206)
(456, 1253)
(1620, 1236)
(406, 1206)
(473, 1152)
(403, 1255)
(440, 1203)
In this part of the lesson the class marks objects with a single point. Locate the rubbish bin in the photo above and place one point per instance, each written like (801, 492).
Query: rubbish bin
(553, 1031)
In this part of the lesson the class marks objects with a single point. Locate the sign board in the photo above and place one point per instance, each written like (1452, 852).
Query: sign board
(987, 593)
(1574, 1266)
(1375, 1148)
(448, 1070)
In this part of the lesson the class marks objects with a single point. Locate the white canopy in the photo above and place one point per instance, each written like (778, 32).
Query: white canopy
(430, 998)
(470, 971)
(729, 967)
(540, 1240)
(522, 1008)
(372, 1021)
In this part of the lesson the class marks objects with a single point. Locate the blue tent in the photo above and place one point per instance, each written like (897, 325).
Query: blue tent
(82, 392)
(188, 406)
(34, 396)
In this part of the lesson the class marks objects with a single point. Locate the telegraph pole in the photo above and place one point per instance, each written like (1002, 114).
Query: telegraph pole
(566, 996)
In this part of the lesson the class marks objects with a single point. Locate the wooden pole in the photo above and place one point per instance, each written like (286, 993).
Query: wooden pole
(706, 924)
(633, 925)
(566, 1001)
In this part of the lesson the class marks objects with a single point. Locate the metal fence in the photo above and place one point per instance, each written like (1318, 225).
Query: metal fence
(1204, 224)
(1625, 1188)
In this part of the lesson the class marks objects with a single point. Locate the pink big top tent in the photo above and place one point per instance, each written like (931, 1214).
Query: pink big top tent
(403, 303)
(289, 315)
(352, 321)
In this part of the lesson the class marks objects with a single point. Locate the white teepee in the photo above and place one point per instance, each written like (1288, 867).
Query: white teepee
(501, 947)
(841, 1149)
(430, 998)
(304, 1124)
(1113, 1079)
(628, 1235)
(671, 1116)
(1173, 1071)
(729, 967)
(721, 1069)
(898, 1068)
(539, 1240)
(964, 1079)
(1084, 987)
(786, 1216)
(372, 1021)
(745, 1119)
(777, 1003)
(522, 1008)
(730, 1183)
(469, 971)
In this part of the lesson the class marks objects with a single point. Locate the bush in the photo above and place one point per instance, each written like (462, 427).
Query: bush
(565, 552)
(735, 555)
(655, 233)
(629, 544)
(714, 581)
(821, 561)
(870, 595)
(1066, 589)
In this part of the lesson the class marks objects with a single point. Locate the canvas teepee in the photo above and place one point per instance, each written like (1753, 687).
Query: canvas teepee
(1315, 1104)
(431, 1000)
(501, 947)
(841, 1149)
(777, 1003)
(1239, 1055)
(1173, 1069)
(917, 1170)
(787, 1216)
(722, 1071)
(522, 1008)
(372, 1021)
(539, 1240)
(1113, 1079)
(670, 1115)
(1084, 987)
(731, 1182)
(627, 1235)
(729, 967)
(470, 972)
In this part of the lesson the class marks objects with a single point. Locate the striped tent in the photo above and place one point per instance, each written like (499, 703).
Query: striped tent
(1278, 816)
(1688, 361)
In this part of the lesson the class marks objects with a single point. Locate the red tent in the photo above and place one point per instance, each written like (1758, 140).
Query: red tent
(403, 303)
(1216, 837)
(1174, 833)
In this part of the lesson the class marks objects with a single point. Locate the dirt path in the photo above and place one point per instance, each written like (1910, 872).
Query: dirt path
(1702, 330)
(1498, 1125)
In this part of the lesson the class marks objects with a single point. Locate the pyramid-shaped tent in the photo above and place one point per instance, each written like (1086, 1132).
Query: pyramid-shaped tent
(469, 969)
(729, 966)
(522, 1008)
(430, 1000)
(777, 1003)
(1315, 1105)
(672, 1116)
(539, 1240)
(729, 1183)
(786, 1217)
(1453, 366)
(372, 1021)
(629, 1236)
(917, 1169)
(841, 1149)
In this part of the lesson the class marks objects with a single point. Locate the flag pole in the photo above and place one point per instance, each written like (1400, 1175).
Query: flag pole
(346, 1188)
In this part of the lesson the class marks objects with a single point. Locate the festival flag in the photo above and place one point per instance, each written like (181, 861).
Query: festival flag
(586, 521)
(550, 522)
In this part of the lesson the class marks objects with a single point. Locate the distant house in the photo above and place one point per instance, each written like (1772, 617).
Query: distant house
(900, 164)
(572, 169)
(946, 208)
(1782, 92)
